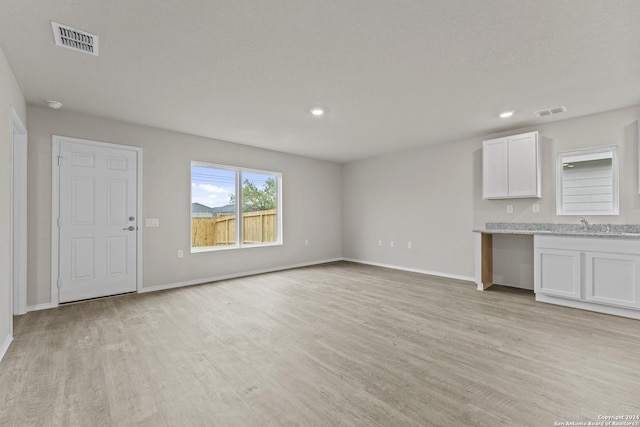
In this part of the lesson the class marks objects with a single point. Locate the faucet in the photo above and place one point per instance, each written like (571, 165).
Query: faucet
(584, 222)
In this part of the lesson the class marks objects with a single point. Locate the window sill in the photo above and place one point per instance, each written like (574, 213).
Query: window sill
(232, 247)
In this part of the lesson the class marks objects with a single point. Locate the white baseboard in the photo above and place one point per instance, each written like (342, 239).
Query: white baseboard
(45, 306)
(585, 305)
(270, 270)
(414, 270)
(233, 275)
(5, 345)
(525, 287)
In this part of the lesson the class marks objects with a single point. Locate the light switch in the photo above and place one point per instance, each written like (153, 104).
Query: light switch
(152, 222)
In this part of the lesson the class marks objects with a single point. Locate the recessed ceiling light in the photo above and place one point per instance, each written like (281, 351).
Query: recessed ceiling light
(317, 111)
(53, 104)
(506, 114)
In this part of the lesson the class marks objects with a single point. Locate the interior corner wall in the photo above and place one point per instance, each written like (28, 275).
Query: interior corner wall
(312, 196)
(11, 98)
(423, 197)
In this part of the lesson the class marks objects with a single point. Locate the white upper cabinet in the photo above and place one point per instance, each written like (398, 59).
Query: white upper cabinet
(511, 167)
(495, 168)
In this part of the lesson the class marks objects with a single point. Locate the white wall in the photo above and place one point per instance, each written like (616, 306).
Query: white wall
(424, 197)
(311, 201)
(433, 198)
(10, 97)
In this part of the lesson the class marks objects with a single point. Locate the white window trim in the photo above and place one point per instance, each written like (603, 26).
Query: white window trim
(239, 243)
(615, 208)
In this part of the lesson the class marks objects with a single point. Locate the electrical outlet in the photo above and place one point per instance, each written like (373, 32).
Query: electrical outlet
(409, 245)
(391, 243)
(306, 242)
(509, 209)
(379, 242)
(535, 208)
(180, 253)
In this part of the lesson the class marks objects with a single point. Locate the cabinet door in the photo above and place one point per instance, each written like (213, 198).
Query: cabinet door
(557, 273)
(495, 169)
(613, 278)
(523, 165)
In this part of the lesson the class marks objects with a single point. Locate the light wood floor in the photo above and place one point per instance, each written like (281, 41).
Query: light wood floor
(331, 345)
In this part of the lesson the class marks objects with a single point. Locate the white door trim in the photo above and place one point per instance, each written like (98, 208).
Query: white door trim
(19, 215)
(55, 209)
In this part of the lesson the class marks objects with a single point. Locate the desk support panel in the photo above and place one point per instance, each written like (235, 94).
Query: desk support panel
(484, 260)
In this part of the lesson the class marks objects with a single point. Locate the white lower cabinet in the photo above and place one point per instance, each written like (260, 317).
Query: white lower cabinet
(560, 273)
(599, 274)
(612, 278)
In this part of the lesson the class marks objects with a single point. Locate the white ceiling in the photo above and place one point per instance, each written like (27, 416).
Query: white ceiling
(393, 75)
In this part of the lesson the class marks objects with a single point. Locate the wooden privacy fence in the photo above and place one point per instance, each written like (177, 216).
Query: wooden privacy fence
(257, 227)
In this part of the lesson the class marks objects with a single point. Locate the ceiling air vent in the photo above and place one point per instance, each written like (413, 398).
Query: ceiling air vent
(550, 111)
(75, 39)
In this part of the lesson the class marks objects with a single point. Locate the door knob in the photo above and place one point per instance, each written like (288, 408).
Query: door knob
(130, 228)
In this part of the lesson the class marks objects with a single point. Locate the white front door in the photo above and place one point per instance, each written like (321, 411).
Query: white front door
(97, 221)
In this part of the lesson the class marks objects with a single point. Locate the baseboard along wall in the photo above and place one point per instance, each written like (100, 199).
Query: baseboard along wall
(5, 346)
(271, 270)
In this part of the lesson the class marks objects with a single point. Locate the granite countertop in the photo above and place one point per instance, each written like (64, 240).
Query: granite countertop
(626, 231)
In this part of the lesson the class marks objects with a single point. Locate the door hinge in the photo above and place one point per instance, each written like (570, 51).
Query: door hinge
(59, 283)
(59, 160)
(59, 223)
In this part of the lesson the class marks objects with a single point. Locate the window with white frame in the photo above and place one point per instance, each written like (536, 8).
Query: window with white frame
(587, 182)
(222, 194)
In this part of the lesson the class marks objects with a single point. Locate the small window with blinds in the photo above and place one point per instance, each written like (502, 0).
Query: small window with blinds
(588, 182)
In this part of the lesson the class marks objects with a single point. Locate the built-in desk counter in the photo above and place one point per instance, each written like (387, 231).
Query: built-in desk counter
(593, 267)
